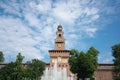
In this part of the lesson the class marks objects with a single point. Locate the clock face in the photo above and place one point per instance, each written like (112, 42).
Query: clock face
(59, 45)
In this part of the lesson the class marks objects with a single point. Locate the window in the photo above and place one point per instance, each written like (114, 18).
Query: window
(59, 35)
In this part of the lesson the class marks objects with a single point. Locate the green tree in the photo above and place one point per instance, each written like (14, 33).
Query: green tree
(6, 73)
(13, 70)
(93, 55)
(37, 66)
(116, 60)
(22, 72)
(83, 64)
(19, 71)
(19, 64)
(1, 56)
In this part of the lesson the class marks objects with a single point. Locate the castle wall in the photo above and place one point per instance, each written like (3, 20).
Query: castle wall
(104, 72)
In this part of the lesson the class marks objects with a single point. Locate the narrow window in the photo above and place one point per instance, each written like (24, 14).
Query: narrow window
(59, 35)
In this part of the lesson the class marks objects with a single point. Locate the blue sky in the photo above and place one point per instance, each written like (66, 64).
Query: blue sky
(29, 26)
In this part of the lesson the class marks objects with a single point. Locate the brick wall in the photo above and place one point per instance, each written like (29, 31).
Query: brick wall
(104, 72)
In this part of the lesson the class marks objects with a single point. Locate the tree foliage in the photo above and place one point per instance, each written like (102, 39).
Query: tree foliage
(19, 71)
(1, 56)
(116, 60)
(37, 66)
(13, 70)
(6, 73)
(83, 64)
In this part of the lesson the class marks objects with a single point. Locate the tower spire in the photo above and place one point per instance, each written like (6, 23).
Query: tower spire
(59, 41)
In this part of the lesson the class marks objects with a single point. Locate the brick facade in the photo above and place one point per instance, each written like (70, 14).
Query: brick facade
(104, 72)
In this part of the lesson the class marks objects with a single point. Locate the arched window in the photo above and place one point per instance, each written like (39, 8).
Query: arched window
(59, 35)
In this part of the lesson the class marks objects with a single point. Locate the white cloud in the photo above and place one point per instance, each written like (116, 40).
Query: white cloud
(95, 17)
(30, 26)
(89, 31)
(42, 6)
(106, 58)
(15, 8)
(32, 20)
(67, 12)
(91, 11)
(15, 37)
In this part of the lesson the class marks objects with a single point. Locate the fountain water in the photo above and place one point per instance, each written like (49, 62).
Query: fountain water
(55, 74)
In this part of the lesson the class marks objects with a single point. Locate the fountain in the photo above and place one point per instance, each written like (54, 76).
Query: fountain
(56, 74)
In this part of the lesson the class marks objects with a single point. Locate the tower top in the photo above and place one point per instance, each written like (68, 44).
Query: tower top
(59, 28)
(59, 40)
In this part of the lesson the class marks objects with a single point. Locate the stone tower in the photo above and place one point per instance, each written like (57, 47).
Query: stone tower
(59, 54)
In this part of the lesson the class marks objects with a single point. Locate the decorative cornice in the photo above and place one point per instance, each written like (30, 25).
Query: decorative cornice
(59, 50)
(104, 64)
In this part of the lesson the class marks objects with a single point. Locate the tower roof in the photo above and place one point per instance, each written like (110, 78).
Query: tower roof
(59, 28)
